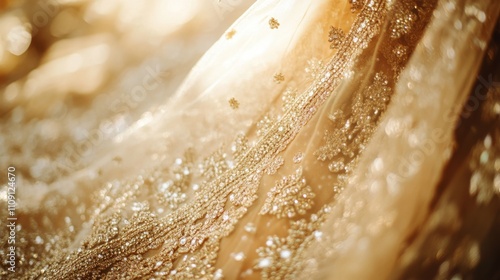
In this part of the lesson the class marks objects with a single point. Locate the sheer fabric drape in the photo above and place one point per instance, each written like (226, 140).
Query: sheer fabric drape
(312, 139)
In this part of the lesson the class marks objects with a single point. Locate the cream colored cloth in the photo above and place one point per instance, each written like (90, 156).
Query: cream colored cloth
(311, 140)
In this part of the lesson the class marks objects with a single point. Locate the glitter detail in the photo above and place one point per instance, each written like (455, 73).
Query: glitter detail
(230, 34)
(279, 78)
(356, 5)
(289, 197)
(234, 103)
(335, 37)
(273, 23)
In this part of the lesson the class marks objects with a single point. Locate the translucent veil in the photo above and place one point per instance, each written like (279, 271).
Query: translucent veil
(393, 194)
(309, 140)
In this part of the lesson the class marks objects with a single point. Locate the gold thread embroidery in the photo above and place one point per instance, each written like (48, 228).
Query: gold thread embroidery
(289, 197)
(230, 34)
(278, 78)
(335, 37)
(273, 23)
(234, 103)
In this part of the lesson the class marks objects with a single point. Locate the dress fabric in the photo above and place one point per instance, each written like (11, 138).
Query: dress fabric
(325, 139)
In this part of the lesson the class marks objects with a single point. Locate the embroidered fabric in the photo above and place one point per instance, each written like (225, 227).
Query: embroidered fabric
(324, 139)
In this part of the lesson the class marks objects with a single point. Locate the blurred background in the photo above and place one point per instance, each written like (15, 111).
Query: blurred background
(75, 73)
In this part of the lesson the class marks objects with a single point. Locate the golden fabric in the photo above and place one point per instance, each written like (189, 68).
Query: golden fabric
(324, 139)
